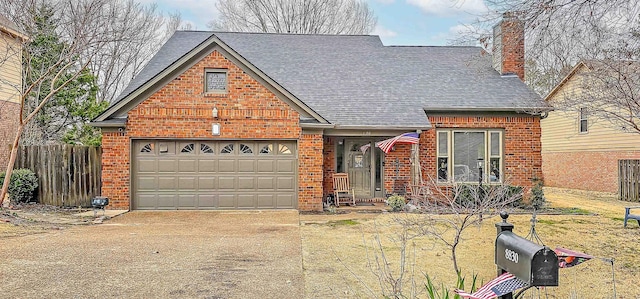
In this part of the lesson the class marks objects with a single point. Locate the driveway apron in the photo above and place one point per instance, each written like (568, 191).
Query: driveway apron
(177, 254)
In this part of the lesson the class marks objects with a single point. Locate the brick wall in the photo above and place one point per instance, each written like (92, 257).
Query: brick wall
(398, 158)
(310, 172)
(181, 109)
(592, 171)
(328, 164)
(522, 147)
(9, 120)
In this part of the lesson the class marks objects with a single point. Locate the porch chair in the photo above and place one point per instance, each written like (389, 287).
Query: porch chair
(341, 185)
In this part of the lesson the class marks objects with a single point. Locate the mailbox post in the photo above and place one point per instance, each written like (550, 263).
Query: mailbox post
(534, 264)
(504, 226)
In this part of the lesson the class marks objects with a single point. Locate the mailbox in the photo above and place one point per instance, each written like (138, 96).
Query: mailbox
(535, 264)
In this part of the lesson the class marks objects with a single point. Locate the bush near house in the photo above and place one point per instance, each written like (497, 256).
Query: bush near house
(22, 186)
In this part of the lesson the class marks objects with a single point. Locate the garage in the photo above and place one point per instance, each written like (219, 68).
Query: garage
(207, 175)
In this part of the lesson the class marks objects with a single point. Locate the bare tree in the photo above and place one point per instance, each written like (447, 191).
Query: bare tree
(295, 16)
(448, 212)
(83, 27)
(120, 58)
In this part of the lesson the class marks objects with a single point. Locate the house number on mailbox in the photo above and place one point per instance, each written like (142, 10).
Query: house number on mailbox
(511, 255)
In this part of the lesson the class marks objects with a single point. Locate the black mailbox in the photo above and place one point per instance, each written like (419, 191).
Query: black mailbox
(535, 264)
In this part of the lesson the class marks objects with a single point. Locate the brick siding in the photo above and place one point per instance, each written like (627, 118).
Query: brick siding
(521, 144)
(521, 141)
(591, 171)
(181, 109)
(9, 121)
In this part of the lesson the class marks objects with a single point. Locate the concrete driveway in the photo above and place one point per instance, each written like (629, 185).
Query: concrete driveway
(253, 254)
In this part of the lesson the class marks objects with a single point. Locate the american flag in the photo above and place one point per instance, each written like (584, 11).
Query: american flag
(386, 145)
(503, 284)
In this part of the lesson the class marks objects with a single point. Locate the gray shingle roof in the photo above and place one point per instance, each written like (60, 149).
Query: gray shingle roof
(355, 80)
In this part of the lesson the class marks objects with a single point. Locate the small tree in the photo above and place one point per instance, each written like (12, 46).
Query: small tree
(448, 212)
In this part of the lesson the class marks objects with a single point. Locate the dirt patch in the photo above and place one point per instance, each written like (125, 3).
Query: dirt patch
(343, 260)
(29, 219)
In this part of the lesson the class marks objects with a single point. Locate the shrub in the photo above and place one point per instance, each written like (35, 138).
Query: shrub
(537, 199)
(22, 186)
(466, 194)
(396, 202)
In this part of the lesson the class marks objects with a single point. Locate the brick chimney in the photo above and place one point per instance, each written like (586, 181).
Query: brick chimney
(508, 45)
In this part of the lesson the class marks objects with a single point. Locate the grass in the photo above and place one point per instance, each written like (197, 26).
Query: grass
(342, 222)
(338, 261)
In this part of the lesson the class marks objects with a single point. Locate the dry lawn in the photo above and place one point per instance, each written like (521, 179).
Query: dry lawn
(339, 251)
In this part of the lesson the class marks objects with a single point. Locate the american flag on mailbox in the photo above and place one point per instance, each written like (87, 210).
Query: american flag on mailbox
(386, 145)
(503, 284)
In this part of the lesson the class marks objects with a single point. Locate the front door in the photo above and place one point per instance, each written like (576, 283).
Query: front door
(358, 154)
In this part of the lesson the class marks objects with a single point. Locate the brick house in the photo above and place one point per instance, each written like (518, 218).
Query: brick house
(246, 120)
(11, 39)
(581, 151)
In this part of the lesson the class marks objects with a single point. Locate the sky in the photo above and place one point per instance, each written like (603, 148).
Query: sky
(400, 22)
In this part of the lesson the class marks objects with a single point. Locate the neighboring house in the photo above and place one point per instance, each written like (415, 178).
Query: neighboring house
(11, 40)
(246, 120)
(580, 151)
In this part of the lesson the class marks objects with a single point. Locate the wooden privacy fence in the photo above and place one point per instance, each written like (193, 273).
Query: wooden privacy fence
(69, 175)
(629, 180)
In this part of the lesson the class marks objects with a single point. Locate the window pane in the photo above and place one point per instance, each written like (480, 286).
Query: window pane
(442, 144)
(443, 169)
(495, 143)
(494, 170)
(468, 147)
(583, 126)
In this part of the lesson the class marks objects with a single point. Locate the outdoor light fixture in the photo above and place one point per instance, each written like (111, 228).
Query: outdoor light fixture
(480, 167)
(215, 129)
(214, 112)
(98, 203)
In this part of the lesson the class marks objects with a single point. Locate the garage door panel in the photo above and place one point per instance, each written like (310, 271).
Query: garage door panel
(167, 166)
(227, 183)
(227, 166)
(184, 174)
(166, 201)
(246, 201)
(285, 184)
(246, 183)
(205, 165)
(266, 183)
(266, 166)
(207, 183)
(146, 201)
(167, 183)
(226, 201)
(187, 165)
(207, 201)
(285, 166)
(284, 201)
(146, 183)
(186, 202)
(187, 183)
(145, 165)
(245, 166)
(265, 201)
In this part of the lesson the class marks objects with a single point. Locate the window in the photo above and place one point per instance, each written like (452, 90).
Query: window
(188, 148)
(283, 149)
(245, 149)
(205, 149)
(583, 121)
(267, 149)
(469, 156)
(147, 148)
(227, 149)
(215, 81)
